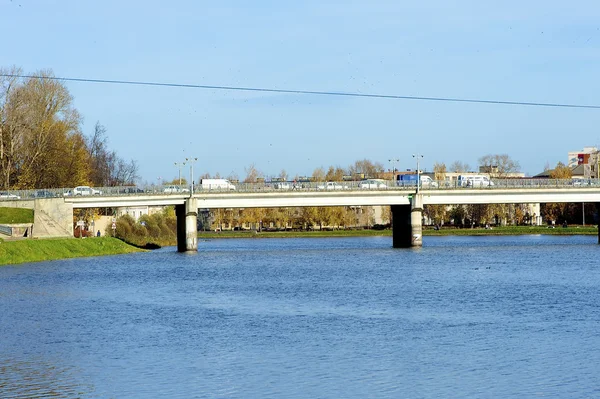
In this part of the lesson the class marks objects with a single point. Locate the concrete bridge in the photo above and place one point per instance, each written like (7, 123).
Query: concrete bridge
(406, 203)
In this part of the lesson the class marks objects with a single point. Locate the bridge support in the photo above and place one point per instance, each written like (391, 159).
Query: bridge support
(187, 230)
(407, 227)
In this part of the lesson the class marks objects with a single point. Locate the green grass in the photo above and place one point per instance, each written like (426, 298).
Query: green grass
(16, 215)
(293, 234)
(32, 250)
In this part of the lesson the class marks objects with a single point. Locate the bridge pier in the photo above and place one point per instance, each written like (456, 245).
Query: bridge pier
(187, 230)
(407, 224)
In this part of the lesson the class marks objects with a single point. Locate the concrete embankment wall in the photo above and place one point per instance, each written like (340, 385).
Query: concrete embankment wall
(52, 217)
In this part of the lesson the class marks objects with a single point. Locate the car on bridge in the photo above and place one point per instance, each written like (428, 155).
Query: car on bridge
(282, 185)
(5, 195)
(44, 194)
(372, 184)
(332, 185)
(174, 189)
(131, 190)
(82, 190)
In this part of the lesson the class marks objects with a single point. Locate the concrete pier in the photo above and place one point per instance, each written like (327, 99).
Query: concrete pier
(187, 231)
(407, 224)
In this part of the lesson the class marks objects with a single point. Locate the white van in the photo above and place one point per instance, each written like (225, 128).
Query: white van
(216, 184)
(475, 181)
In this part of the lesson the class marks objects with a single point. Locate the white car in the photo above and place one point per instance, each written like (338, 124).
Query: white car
(173, 189)
(5, 195)
(83, 190)
(331, 185)
(372, 184)
(284, 185)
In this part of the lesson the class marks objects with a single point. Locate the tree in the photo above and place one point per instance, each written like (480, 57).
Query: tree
(49, 121)
(366, 168)
(107, 168)
(439, 170)
(499, 164)
(334, 174)
(319, 174)
(459, 167)
(561, 171)
(11, 127)
(437, 213)
(252, 174)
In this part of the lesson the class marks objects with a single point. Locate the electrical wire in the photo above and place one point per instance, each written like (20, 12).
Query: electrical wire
(307, 92)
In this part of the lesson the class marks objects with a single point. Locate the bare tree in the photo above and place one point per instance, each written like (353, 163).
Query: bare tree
(319, 174)
(11, 127)
(499, 164)
(459, 167)
(252, 174)
(366, 168)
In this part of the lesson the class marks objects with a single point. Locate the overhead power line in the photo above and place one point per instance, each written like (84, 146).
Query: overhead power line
(310, 92)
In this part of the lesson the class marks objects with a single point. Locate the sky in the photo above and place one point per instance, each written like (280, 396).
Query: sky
(534, 51)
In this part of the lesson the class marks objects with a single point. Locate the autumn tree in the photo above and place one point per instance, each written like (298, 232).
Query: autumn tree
(334, 174)
(561, 171)
(437, 213)
(439, 170)
(50, 119)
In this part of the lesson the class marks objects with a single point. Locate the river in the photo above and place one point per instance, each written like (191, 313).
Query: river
(461, 317)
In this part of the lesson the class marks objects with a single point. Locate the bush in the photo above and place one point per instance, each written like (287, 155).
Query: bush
(150, 231)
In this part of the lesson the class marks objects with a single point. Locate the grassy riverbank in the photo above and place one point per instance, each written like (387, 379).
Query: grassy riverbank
(15, 215)
(31, 250)
(428, 231)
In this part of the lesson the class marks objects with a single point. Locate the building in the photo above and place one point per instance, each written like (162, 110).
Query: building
(585, 163)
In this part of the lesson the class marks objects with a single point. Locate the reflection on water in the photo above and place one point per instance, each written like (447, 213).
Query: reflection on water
(342, 317)
(40, 378)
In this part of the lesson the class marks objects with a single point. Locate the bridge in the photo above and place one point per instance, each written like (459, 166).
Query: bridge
(406, 202)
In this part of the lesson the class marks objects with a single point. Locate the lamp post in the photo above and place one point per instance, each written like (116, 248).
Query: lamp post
(179, 165)
(418, 156)
(191, 161)
(393, 161)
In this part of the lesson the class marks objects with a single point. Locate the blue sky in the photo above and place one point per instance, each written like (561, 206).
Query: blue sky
(534, 51)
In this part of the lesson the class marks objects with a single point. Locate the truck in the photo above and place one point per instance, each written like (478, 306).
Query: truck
(216, 184)
(411, 180)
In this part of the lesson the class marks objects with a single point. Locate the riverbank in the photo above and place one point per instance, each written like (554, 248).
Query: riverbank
(32, 250)
(427, 231)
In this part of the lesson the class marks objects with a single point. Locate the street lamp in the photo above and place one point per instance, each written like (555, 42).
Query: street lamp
(393, 161)
(179, 165)
(191, 161)
(418, 156)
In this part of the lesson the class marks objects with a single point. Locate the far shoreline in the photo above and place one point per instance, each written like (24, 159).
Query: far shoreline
(427, 232)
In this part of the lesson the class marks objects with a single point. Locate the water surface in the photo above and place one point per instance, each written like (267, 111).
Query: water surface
(466, 317)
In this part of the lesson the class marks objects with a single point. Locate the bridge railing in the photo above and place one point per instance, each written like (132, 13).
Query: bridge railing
(307, 186)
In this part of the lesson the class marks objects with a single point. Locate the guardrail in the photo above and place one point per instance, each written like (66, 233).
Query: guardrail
(308, 187)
